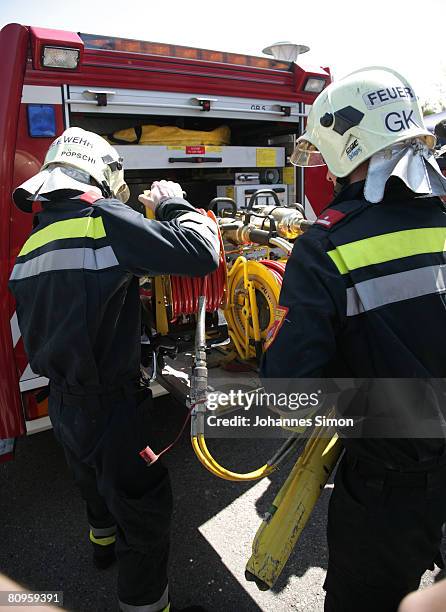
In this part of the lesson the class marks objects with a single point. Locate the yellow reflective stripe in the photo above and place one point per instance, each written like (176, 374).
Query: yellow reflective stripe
(387, 247)
(167, 608)
(337, 260)
(102, 541)
(86, 227)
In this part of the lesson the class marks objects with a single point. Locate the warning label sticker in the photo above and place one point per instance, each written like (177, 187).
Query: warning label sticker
(266, 157)
(195, 150)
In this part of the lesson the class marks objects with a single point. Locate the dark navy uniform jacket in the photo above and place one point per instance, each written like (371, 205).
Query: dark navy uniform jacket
(365, 289)
(77, 289)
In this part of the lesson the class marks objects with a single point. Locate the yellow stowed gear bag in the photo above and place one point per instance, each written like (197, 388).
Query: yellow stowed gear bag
(170, 135)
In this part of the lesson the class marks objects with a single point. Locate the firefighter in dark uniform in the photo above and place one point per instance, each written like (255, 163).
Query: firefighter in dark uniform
(364, 297)
(77, 291)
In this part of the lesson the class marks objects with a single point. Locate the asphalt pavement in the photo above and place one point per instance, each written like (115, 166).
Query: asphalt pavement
(44, 536)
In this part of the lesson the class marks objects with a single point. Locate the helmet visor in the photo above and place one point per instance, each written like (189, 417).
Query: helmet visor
(306, 154)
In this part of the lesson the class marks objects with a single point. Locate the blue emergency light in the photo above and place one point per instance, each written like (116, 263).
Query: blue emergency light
(41, 121)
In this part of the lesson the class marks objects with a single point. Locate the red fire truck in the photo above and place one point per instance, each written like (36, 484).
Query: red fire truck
(55, 79)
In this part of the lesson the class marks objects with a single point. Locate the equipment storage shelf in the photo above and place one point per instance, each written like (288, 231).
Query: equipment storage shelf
(139, 157)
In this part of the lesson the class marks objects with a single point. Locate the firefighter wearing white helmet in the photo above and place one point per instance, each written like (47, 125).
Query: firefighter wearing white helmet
(372, 114)
(354, 118)
(76, 160)
(363, 298)
(76, 285)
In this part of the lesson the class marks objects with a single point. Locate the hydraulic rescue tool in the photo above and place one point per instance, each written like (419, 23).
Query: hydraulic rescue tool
(284, 522)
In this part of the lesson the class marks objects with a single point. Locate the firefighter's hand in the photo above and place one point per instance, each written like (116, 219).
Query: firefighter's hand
(159, 191)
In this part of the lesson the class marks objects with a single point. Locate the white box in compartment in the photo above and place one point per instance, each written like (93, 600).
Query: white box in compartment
(241, 194)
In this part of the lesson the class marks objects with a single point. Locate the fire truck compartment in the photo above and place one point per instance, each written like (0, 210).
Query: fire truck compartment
(202, 170)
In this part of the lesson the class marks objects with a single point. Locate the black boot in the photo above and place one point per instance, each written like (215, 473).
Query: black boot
(103, 555)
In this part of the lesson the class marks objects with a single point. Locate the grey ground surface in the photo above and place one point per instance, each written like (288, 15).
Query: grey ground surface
(44, 539)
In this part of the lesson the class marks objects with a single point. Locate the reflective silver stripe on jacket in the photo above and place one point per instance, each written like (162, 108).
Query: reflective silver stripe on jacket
(158, 606)
(66, 259)
(103, 532)
(392, 288)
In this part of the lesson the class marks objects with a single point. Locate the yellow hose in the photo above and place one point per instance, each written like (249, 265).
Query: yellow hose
(205, 457)
(204, 461)
(261, 472)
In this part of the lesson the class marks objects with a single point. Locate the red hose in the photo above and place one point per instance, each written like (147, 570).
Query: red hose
(277, 268)
(186, 290)
(277, 276)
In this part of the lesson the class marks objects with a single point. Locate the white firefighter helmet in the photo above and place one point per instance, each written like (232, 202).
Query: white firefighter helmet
(94, 155)
(353, 118)
(72, 159)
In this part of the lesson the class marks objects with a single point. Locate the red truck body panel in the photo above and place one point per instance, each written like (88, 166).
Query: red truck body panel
(13, 51)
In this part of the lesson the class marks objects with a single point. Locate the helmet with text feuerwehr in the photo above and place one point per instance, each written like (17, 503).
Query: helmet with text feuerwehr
(357, 116)
(76, 162)
(91, 153)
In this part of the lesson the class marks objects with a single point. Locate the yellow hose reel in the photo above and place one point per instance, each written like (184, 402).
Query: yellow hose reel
(253, 292)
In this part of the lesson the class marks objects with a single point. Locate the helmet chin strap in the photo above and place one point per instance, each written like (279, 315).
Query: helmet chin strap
(106, 190)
